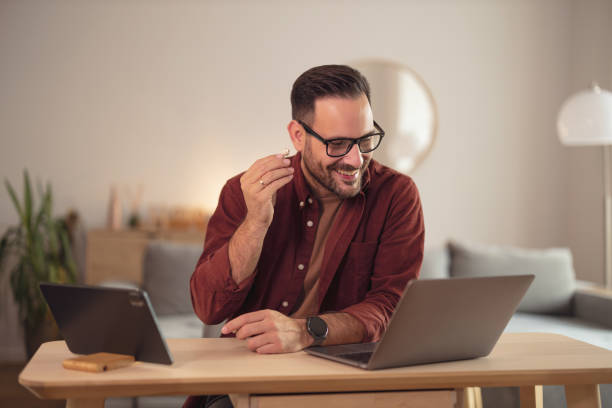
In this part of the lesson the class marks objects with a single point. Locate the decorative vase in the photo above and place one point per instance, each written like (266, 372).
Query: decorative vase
(114, 210)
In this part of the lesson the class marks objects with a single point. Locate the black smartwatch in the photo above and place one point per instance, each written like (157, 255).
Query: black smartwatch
(317, 328)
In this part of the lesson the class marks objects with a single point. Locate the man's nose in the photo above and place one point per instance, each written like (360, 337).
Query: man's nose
(354, 157)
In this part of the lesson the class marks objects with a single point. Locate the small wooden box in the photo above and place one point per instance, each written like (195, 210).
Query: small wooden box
(98, 362)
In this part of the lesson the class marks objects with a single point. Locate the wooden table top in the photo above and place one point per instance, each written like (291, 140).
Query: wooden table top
(214, 366)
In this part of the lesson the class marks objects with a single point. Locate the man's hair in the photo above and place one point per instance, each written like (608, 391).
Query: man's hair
(324, 81)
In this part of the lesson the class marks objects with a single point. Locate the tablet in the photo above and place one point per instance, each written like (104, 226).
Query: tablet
(96, 319)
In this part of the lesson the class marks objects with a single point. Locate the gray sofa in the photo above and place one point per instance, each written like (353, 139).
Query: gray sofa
(555, 302)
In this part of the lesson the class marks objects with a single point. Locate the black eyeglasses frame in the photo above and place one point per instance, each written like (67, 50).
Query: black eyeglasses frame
(357, 141)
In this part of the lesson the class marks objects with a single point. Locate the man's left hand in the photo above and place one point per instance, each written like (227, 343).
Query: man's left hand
(269, 331)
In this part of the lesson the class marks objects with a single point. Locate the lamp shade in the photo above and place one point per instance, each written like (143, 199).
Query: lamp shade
(585, 119)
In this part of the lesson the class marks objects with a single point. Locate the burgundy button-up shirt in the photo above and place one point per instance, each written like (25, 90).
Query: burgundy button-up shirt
(373, 249)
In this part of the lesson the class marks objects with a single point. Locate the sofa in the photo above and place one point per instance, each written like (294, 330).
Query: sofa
(556, 302)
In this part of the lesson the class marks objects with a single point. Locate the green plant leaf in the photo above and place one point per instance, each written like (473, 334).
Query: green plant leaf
(42, 249)
(37, 256)
(52, 239)
(27, 199)
(54, 275)
(45, 208)
(15, 200)
(68, 259)
(3, 246)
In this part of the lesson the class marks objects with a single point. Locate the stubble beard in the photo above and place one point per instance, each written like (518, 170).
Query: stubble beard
(325, 178)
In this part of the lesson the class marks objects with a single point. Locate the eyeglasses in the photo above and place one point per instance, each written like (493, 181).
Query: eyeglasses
(340, 146)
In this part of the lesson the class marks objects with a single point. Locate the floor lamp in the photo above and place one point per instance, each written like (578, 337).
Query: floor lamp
(585, 119)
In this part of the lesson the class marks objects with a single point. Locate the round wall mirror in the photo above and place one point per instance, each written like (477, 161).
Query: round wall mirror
(404, 106)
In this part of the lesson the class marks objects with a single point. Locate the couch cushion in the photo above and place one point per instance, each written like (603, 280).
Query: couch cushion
(554, 283)
(435, 263)
(180, 326)
(166, 272)
(574, 327)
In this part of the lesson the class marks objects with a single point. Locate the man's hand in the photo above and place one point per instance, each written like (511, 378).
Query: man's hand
(259, 185)
(269, 331)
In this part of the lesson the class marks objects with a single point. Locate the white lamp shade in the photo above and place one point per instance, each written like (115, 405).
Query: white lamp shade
(585, 119)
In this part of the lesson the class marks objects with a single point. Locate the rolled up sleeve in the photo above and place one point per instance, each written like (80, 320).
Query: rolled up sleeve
(214, 293)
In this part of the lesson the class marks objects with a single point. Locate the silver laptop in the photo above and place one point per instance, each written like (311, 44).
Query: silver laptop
(94, 319)
(439, 320)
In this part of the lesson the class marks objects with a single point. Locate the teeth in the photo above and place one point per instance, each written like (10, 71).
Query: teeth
(347, 173)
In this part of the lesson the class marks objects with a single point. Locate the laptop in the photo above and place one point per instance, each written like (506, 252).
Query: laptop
(439, 320)
(96, 319)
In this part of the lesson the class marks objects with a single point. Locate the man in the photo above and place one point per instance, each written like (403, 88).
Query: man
(316, 248)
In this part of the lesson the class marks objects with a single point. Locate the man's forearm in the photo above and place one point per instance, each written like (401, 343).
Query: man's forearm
(343, 329)
(245, 249)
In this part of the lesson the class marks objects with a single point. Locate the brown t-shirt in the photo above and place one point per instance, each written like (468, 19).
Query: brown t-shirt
(308, 304)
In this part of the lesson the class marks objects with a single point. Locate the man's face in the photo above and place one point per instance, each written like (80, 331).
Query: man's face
(338, 117)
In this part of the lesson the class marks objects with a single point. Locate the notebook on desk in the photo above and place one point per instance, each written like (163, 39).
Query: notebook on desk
(95, 319)
(439, 320)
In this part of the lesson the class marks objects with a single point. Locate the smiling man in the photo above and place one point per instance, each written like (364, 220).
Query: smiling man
(316, 248)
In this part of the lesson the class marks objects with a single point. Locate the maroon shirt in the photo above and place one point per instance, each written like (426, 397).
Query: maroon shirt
(373, 249)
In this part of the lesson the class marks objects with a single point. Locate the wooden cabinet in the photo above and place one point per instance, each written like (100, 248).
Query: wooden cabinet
(118, 255)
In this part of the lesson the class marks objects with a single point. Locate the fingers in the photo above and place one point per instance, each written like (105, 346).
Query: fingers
(265, 165)
(272, 175)
(269, 348)
(253, 329)
(266, 341)
(235, 324)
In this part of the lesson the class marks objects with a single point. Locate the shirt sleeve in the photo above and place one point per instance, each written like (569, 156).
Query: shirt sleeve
(214, 293)
(397, 261)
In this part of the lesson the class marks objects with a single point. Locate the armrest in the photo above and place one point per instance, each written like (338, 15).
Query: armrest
(594, 304)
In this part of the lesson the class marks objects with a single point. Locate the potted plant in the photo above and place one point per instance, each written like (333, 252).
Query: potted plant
(36, 250)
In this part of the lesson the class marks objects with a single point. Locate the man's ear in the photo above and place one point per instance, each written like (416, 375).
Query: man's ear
(297, 135)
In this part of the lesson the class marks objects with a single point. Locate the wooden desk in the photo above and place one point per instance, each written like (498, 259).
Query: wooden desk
(225, 366)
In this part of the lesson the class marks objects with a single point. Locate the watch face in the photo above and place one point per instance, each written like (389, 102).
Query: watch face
(317, 327)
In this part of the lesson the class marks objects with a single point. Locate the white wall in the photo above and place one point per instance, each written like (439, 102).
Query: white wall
(179, 96)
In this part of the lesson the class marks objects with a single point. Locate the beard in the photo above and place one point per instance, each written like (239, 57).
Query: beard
(325, 178)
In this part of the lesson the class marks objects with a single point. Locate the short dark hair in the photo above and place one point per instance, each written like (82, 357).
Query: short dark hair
(323, 81)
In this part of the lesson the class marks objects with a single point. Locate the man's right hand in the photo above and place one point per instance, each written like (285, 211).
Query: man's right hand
(259, 185)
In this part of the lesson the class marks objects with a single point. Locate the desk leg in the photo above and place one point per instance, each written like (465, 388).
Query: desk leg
(470, 397)
(532, 397)
(85, 403)
(583, 396)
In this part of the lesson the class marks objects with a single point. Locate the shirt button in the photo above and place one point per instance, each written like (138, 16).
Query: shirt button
(309, 223)
(285, 303)
(301, 267)
(310, 201)
(301, 203)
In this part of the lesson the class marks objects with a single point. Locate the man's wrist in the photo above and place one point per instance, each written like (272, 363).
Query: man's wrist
(307, 339)
(255, 226)
(318, 329)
